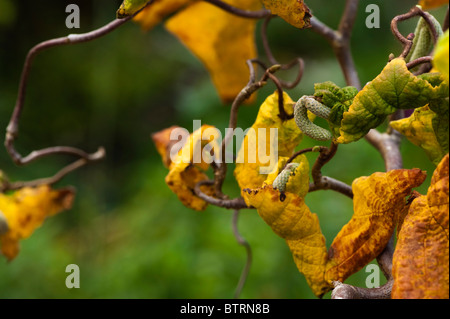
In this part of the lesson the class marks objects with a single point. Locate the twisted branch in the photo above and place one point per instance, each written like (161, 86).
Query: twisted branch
(241, 241)
(12, 130)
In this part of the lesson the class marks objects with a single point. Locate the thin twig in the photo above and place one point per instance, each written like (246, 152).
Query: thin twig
(58, 176)
(237, 203)
(265, 40)
(419, 61)
(343, 291)
(243, 242)
(273, 60)
(221, 169)
(260, 14)
(446, 21)
(340, 41)
(306, 150)
(12, 129)
(282, 112)
(329, 183)
(324, 157)
(408, 41)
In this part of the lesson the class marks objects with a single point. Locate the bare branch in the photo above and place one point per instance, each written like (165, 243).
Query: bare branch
(99, 155)
(343, 291)
(307, 150)
(408, 41)
(329, 183)
(340, 41)
(241, 241)
(237, 203)
(419, 61)
(389, 147)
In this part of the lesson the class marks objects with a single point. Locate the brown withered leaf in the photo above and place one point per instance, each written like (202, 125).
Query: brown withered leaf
(377, 201)
(421, 259)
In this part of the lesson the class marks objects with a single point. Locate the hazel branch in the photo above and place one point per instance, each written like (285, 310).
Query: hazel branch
(343, 291)
(99, 155)
(243, 242)
(12, 130)
(237, 203)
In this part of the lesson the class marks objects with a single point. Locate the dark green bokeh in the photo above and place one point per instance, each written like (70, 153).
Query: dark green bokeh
(127, 231)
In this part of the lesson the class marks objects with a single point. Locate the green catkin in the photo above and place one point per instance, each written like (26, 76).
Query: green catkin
(306, 126)
(282, 179)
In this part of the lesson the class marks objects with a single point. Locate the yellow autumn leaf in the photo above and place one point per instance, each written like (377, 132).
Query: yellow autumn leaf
(130, 7)
(292, 220)
(418, 128)
(153, 14)
(378, 200)
(26, 210)
(186, 169)
(222, 41)
(421, 258)
(295, 12)
(441, 55)
(431, 4)
(247, 172)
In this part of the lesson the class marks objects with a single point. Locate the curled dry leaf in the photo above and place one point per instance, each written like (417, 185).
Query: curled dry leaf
(295, 12)
(222, 41)
(247, 172)
(421, 258)
(419, 130)
(292, 220)
(184, 174)
(378, 199)
(26, 210)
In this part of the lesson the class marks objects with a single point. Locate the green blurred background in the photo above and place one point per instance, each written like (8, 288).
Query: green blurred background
(127, 231)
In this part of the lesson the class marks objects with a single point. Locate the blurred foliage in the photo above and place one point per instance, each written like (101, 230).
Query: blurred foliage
(127, 231)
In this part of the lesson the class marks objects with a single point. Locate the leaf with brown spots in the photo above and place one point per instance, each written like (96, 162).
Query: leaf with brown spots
(26, 210)
(186, 169)
(378, 199)
(421, 258)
